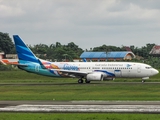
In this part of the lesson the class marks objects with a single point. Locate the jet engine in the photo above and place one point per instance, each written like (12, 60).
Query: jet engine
(94, 76)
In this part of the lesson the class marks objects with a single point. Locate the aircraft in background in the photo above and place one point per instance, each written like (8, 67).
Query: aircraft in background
(9, 61)
(88, 71)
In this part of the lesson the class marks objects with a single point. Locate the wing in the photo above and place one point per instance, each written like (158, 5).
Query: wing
(71, 73)
(21, 65)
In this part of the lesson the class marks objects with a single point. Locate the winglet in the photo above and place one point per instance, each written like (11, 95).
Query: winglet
(84, 60)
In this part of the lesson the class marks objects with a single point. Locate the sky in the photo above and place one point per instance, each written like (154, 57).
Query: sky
(87, 23)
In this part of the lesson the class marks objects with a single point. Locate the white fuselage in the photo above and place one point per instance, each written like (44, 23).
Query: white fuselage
(113, 69)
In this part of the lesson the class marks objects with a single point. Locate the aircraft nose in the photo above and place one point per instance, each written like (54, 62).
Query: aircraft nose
(155, 72)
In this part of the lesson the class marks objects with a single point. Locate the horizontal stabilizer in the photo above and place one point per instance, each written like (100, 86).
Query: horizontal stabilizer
(21, 65)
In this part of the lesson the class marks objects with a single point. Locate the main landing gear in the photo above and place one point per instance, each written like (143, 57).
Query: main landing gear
(81, 80)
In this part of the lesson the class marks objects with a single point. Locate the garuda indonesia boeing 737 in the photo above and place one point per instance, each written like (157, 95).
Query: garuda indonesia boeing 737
(88, 71)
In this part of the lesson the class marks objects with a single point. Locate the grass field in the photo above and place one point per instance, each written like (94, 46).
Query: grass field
(67, 92)
(77, 116)
(20, 85)
(61, 89)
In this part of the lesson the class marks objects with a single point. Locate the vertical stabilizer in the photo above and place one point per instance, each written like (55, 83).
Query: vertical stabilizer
(23, 52)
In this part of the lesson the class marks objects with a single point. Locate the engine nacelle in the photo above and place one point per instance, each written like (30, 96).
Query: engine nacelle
(94, 76)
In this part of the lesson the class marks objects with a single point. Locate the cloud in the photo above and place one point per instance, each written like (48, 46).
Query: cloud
(111, 22)
(9, 11)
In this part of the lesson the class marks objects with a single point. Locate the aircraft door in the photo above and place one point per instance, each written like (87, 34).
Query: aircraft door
(139, 69)
(118, 73)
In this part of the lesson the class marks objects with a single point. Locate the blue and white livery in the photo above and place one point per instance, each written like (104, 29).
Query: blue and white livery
(88, 71)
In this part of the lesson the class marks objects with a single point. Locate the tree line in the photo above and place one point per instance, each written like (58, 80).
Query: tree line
(59, 52)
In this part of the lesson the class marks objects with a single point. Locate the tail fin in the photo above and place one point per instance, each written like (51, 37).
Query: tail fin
(23, 52)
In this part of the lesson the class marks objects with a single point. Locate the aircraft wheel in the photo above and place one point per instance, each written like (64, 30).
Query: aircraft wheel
(87, 81)
(143, 81)
(80, 81)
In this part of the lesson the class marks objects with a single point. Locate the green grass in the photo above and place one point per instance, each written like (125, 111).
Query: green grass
(77, 116)
(146, 92)
(62, 89)
(58, 89)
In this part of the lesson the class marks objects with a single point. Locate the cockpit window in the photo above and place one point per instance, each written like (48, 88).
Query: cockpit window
(148, 67)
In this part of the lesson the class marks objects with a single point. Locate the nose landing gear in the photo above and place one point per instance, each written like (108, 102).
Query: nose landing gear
(143, 81)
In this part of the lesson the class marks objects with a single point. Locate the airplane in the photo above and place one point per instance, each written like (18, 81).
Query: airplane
(9, 61)
(88, 71)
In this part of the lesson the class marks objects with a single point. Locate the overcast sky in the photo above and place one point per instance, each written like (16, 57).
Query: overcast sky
(87, 23)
